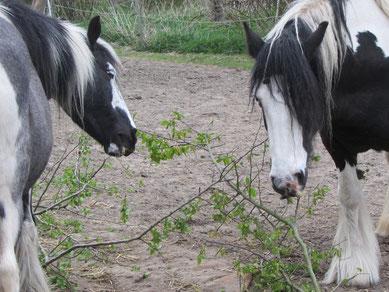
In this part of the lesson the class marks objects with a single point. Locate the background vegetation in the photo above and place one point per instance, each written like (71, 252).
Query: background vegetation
(181, 26)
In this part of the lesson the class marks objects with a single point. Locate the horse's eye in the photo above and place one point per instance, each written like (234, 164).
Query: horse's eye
(110, 70)
(111, 74)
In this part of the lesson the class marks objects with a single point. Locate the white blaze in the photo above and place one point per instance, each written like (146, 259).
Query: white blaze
(117, 98)
(285, 133)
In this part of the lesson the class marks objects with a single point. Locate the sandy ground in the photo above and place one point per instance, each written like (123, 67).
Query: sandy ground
(202, 94)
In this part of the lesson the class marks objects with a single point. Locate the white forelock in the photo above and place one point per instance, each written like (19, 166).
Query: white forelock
(83, 59)
(332, 52)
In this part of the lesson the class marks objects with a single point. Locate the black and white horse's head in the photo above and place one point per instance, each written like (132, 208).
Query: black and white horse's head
(80, 71)
(287, 83)
(105, 114)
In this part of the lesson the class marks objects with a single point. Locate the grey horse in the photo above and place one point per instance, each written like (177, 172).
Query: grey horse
(43, 58)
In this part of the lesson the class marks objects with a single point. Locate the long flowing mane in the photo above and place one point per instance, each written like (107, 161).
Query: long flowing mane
(283, 53)
(60, 53)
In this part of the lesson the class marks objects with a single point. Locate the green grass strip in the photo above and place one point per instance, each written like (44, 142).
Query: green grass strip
(224, 61)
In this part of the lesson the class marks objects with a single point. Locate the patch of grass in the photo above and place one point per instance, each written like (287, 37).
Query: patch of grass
(165, 35)
(197, 37)
(225, 61)
(175, 28)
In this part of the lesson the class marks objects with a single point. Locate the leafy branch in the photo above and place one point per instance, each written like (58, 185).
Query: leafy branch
(233, 196)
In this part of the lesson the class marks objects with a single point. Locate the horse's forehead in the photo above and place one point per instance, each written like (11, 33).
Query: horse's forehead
(102, 57)
(105, 53)
(269, 91)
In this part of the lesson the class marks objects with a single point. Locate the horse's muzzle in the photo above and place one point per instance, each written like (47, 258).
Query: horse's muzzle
(289, 186)
(122, 144)
(119, 151)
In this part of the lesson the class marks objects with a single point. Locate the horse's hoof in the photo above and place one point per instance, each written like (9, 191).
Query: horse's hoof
(358, 281)
(362, 273)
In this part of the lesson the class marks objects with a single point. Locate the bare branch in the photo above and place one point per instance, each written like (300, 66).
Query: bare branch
(58, 165)
(129, 240)
(85, 185)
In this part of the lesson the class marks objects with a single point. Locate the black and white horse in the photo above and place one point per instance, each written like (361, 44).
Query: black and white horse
(325, 68)
(43, 58)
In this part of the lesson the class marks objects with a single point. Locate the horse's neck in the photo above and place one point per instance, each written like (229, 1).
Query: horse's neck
(367, 15)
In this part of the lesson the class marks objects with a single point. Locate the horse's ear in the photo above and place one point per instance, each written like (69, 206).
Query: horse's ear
(254, 41)
(94, 30)
(311, 44)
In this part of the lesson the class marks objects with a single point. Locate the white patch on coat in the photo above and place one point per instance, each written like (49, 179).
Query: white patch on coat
(384, 5)
(9, 226)
(366, 15)
(9, 128)
(355, 238)
(117, 98)
(288, 154)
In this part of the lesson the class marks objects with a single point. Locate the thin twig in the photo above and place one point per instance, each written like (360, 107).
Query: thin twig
(58, 163)
(234, 246)
(289, 282)
(136, 238)
(59, 203)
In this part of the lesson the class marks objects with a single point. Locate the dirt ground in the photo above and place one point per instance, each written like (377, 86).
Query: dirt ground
(202, 94)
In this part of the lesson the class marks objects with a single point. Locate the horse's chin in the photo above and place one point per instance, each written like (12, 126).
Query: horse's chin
(113, 154)
(128, 151)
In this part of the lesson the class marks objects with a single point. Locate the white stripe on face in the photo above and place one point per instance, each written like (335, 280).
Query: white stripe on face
(117, 98)
(285, 133)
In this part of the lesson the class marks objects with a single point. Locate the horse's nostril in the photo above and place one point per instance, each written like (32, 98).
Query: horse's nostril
(277, 184)
(300, 176)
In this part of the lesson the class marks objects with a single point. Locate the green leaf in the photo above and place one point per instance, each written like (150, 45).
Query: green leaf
(124, 211)
(201, 256)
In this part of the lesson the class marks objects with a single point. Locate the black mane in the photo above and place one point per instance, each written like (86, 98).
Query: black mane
(43, 34)
(301, 81)
(292, 72)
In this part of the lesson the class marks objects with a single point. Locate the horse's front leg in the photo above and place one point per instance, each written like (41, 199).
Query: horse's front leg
(358, 254)
(9, 230)
(383, 222)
